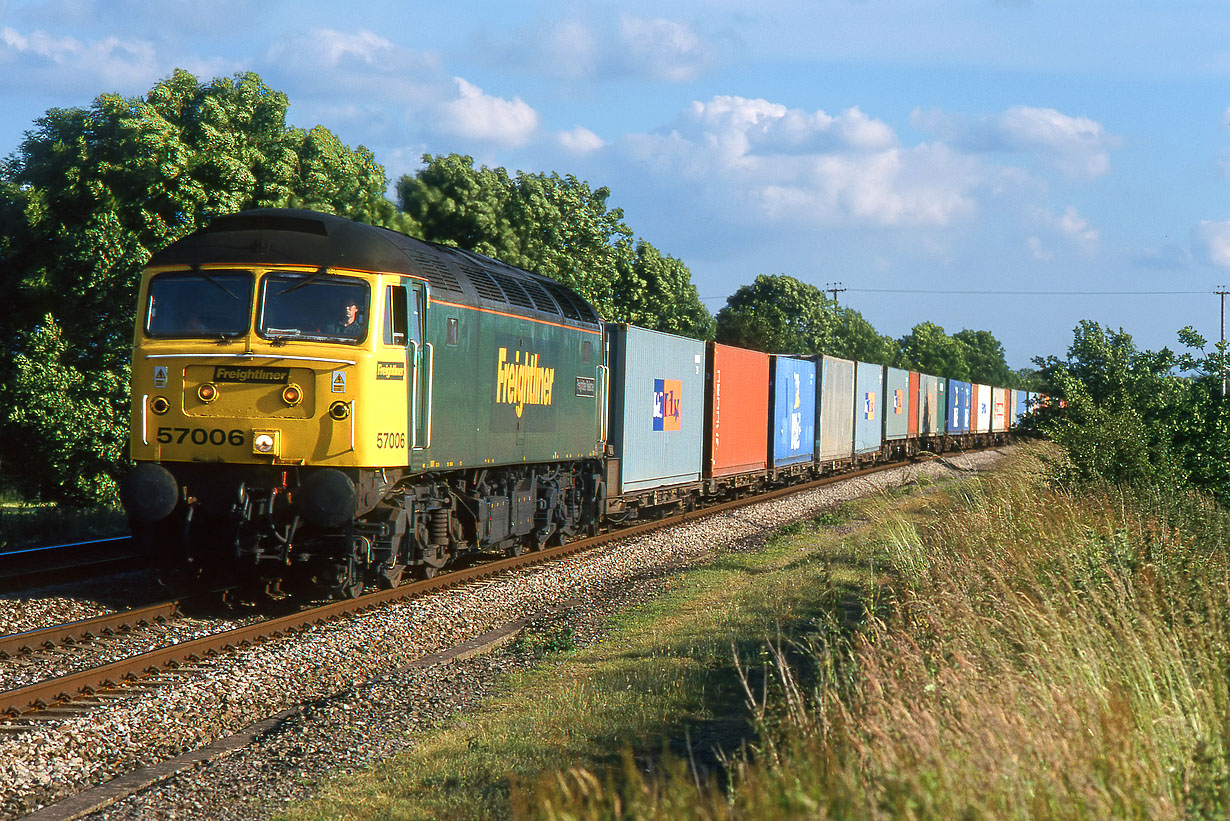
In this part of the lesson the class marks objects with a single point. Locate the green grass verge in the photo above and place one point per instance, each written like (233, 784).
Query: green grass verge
(663, 687)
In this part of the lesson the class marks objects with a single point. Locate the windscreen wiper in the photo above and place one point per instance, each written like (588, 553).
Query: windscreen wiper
(197, 270)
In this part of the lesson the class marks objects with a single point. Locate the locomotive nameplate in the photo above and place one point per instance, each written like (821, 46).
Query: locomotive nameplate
(390, 370)
(251, 375)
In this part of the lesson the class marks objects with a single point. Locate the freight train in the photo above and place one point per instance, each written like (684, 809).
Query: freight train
(323, 404)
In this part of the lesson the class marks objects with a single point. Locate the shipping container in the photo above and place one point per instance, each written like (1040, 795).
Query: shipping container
(1001, 401)
(958, 407)
(657, 407)
(1029, 402)
(897, 404)
(868, 406)
(980, 408)
(912, 405)
(941, 405)
(794, 409)
(736, 410)
(835, 431)
(930, 405)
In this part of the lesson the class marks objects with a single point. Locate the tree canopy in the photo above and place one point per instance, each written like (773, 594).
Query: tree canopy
(561, 228)
(781, 314)
(1134, 416)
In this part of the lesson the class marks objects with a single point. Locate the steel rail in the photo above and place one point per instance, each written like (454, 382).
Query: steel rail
(48, 638)
(45, 694)
(50, 564)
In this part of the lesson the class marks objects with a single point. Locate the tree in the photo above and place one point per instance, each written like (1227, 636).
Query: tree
(984, 354)
(778, 314)
(653, 280)
(1135, 416)
(855, 338)
(88, 197)
(559, 227)
(929, 349)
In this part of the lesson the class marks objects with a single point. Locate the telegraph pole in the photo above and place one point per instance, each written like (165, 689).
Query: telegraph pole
(1222, 293)
(836, 288)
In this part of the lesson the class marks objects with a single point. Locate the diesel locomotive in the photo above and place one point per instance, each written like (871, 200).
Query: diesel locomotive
(320, 404)
(318, 401)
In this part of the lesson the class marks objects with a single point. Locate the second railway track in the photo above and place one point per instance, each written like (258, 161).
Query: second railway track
(38, 697)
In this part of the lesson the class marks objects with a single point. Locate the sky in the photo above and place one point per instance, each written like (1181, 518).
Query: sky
(1013, 166)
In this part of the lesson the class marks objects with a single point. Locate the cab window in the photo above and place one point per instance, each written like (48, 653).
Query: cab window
(403, 315)
(314, 307)
(188, 304)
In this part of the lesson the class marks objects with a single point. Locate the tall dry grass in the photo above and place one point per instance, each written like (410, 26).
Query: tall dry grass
(1038, 652)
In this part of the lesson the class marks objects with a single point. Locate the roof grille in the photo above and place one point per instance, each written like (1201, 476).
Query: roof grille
(572, 307)
(487, 287)
(437, 273)
(512, 288)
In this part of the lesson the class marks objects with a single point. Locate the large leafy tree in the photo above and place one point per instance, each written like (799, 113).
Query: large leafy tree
(1139, 416)
(855, 338)
(88, 197)
(559, 227)
(778, 314)
(984, 354)
(929, 349)
(781, 314)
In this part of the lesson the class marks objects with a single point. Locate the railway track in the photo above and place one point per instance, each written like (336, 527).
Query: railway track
(51, 697)
(34, 566)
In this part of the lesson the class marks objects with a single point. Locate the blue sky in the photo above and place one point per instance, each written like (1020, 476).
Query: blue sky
(918, 152)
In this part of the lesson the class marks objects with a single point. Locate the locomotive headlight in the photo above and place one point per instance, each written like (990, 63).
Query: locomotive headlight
(159, 405)
(207, 392)
(339, 410)
(292, 394)
(266, 442)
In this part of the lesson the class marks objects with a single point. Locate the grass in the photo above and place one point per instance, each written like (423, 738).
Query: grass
(662, 688)
(33, 525)
(1001, 647)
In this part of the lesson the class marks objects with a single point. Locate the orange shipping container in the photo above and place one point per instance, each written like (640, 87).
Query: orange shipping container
(736, 410)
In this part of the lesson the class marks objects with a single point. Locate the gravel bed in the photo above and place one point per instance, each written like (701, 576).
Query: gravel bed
(74, 601)
(376, 714)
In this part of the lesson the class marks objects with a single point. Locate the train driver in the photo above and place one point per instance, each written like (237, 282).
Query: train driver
(350, 323)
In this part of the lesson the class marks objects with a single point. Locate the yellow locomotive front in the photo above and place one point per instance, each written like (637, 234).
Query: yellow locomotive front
(262, 395)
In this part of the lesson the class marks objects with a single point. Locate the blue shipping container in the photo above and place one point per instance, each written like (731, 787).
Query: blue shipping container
(657, 407)
(794, 409)
(868, 406)
(958, 406)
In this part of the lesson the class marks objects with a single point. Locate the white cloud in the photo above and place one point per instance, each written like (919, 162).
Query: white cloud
(360, 67)
(475, 115)
(604, 48)
(1038, 250)
(810, 167)
(662, 49)
(1078, 146)
(42, 60)
(328, 48)
(580, 140)
(1069, 228)
(1211, 242)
